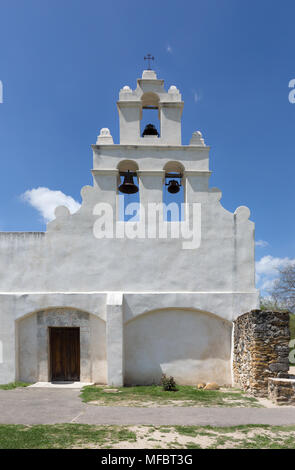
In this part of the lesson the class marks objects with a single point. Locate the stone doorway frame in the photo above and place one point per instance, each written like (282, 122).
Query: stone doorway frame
(62, 317)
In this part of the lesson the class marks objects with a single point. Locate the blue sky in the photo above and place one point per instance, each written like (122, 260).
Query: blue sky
(63, 62)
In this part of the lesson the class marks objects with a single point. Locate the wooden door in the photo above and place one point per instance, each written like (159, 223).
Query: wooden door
(65, 354)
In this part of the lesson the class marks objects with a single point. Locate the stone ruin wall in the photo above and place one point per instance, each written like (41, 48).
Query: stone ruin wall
(281, 391)
(260, 350)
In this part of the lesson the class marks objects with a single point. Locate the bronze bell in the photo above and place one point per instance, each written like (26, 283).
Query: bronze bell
(128, 186)
(150, 130)
(173, 187)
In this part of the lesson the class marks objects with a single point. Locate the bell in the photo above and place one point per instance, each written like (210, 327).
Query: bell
(150, 130)
(128, 186)
(173, 187)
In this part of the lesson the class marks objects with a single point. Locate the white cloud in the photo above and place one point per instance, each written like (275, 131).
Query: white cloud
(267, 270)
(45, 201)
(268, 265)
(169, 49)
(261, 243)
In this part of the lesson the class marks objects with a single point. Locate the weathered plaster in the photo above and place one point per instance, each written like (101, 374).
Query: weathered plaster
(191, 346)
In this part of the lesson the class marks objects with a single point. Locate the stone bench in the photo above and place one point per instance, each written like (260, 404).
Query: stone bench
(282, 391)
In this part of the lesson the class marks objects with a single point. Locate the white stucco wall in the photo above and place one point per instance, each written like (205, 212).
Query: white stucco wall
(27, 353)
(98, 350)
(126, 316)
(224, 261)
(192, 346)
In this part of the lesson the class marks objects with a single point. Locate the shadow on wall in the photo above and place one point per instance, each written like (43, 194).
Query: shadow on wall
(192, 346)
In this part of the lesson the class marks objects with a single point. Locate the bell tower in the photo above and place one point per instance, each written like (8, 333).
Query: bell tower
(150, 94)
(149, 161)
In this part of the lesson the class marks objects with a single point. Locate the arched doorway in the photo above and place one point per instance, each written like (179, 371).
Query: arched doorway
(61, 343)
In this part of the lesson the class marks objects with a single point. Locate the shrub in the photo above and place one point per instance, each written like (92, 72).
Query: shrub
(168, 383)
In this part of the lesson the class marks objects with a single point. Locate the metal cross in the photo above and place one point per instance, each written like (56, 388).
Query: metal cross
(149, 57)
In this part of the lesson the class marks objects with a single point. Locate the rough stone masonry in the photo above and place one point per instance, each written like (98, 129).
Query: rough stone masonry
(261, 349)
(281, 391)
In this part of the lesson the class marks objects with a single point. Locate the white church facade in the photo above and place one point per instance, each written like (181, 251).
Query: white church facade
(99, 299)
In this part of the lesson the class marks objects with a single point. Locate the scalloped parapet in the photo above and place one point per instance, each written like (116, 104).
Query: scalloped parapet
(216, 193)
(61, 211)
(242, 213)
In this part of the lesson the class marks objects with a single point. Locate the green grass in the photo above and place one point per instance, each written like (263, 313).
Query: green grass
(138, 395)
(62, 436)
(68, 436)
(253, 436)
(13, 385)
